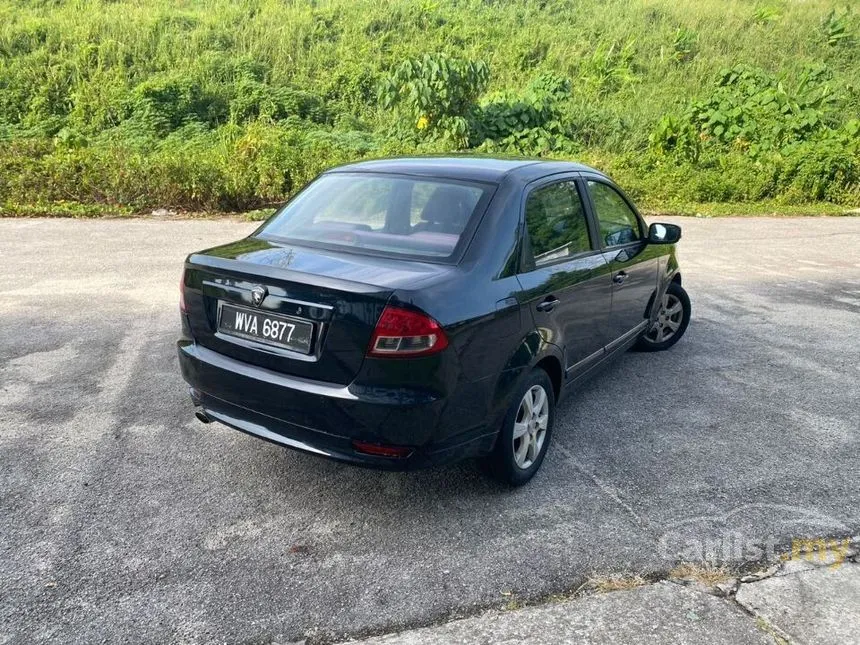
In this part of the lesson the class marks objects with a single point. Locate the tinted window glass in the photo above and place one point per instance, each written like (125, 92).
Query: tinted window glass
(419, 217)
(618, 223)
(556, 223)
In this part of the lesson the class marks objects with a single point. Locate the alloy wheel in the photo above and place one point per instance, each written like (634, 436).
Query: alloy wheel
(530, 426)
(668, 320)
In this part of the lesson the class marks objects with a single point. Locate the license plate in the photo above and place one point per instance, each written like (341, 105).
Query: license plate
(263, 327)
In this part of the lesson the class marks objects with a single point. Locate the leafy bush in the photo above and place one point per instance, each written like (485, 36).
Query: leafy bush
(793, 134)
(437, 94)
(825, 168)
(530, 123)
(168, 101)
(756, 111)
(259, 100)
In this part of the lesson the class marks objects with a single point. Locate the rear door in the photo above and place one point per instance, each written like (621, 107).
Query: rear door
(633, 264)
(565, 278)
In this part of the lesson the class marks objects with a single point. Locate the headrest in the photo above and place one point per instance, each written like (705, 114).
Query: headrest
(450, 205)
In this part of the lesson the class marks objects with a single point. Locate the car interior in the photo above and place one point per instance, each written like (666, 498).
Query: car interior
(404, 216)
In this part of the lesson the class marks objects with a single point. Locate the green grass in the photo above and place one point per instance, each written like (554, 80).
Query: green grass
(764, 208)
(65, 209)
(259, 215)
(124, 106)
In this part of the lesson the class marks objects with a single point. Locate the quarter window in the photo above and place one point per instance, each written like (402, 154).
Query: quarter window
(556, 222)
(618, 223)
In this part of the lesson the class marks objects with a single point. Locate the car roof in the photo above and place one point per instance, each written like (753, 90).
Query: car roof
(470, 168)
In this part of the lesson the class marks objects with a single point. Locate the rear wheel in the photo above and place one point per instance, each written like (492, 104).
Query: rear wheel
(671, 323)
(525, 435)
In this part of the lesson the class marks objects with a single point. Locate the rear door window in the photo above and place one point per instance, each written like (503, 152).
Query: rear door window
(556, 223)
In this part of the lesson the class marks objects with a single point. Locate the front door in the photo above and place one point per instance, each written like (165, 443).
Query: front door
(565, 278)
(633, 263)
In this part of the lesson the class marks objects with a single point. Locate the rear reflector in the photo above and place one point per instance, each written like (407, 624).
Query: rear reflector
(378, 450)
(403, 333)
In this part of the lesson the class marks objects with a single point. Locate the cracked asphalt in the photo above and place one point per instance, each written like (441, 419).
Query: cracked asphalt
(124, 519)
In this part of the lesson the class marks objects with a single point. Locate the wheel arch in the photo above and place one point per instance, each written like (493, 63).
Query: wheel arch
(552, 366)
(531, 353)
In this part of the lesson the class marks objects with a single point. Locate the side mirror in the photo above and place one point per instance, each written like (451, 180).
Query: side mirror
(663, 233)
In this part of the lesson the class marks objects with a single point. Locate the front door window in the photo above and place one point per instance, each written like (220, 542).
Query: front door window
(618, 223)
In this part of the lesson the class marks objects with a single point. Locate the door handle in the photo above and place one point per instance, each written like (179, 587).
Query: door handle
(619, 277)
(548, 304)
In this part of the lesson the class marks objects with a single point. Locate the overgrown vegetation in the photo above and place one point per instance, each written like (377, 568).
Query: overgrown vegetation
(220, 105)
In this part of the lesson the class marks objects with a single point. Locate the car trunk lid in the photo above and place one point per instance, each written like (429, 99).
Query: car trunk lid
(342, 295)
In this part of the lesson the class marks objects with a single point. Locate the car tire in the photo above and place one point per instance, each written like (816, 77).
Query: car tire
(516, 459)
(671, 323)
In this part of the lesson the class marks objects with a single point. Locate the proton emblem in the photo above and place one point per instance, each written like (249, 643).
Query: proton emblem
(258, 294)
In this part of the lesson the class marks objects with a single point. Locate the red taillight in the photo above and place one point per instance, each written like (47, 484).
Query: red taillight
(379, 450)
(403, 333)
(182, 295)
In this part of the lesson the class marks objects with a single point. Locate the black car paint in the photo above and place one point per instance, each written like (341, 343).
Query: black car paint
(445, 406)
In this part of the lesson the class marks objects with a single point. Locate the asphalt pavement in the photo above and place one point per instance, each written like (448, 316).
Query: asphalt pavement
(125, 519)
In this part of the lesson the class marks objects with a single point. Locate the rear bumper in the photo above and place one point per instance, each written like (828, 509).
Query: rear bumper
(323, 419)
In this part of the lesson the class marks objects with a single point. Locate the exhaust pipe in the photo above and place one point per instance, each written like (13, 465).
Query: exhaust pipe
(202, 417)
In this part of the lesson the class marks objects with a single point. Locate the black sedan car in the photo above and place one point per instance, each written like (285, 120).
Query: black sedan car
(408, 312)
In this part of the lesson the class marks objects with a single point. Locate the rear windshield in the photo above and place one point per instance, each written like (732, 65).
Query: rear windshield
(390, 214)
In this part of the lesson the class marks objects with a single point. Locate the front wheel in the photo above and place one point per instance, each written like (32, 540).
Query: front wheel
(525, 435)
(671, 323)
